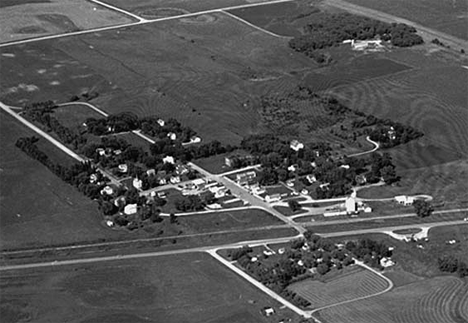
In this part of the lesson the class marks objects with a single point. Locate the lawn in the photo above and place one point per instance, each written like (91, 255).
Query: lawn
(436, 300)
(350, 284)
(26, 19)
(447, 16)
(183, 288)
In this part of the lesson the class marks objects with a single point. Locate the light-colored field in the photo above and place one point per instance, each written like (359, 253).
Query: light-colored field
(57, 16)
(436, 300)
(354, 283)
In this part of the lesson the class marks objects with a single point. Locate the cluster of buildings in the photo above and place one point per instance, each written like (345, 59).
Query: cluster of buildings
(370, 45)
(350, 207)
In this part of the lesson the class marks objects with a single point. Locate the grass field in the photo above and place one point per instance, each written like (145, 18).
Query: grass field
(447, 16)
(73, 116)
(183, 288)
(352, 283)
(436, 300)
(26, 19)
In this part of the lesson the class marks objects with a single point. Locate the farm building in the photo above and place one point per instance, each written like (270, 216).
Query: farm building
(161, 122)
(137, 183)
(386, 262)
(375, 44)
(335, 213)
(273, 198)
(296, 145)
(350, 205)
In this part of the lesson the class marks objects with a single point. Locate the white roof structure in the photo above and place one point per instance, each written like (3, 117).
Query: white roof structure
(130, 209)
(168, 160)
(296, 145)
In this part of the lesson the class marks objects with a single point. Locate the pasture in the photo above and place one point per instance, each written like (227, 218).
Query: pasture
(73, 116)
(435, 300)
(447, 16)
(352, 283)
(27, 19)
(184, 288)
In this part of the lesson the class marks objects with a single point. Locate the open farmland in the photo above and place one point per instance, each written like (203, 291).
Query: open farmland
(352, 283)
(447, 16)
(184, 288)
(436, 300)
(27, 19)
(151, 9)
(73, 116)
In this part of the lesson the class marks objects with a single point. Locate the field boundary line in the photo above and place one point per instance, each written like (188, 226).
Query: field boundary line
(258, 284)
(141, 22)
(254, 26)
(360, 263)
(118, 10)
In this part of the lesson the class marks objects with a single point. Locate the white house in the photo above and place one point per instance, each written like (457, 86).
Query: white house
(405, 200)
(168, 160)
(296, 145)
(174, 179)
(311, 178)
(292, 168)
(107, 190)
(273, 198)
(195, 140)
(345, 166)
(151, 172)
(386, 262)
(130, 209)
(93, 178)
(137, 183)
(172, 136)
(161, 122)
(268, 311)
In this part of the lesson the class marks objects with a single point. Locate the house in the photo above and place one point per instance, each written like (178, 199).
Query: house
(405, 200)
(324, 186)
(292, 168)
(296, 145)
(300, 263)
(101, 151)
(117, 152)
(172, 136)
(109, 223)
(375, 44)
(391, 133)
(130, 209)
(120, 201)
(123, 168)
(257, 190)
(137, 183)
(151, 172)
(168, 160)
(214, 206)
(386, 262)
(253, 259)
(174, 179)
(107, 190)
(268, 253)
(334, 213)
(281, 251)
(367, 209)
(162, 195)
(244, 178)
(311, 178)
(273, 198)
(162, 181)
(313, 164)
(304, 192)
(161, 122)
(350, 205)
(344, 166)
(290, 182)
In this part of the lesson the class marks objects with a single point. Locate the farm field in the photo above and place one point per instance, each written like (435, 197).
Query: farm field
(27, 19)
(446, 16)
(435, 300)
(144, 290)
(353, 283)
(151, 9)
(73, 116)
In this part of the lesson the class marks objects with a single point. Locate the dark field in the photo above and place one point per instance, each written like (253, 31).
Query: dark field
(447, 16)
(184, 288)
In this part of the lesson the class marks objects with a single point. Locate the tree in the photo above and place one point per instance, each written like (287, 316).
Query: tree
(422, 208)
(172, 218)
(294, 205)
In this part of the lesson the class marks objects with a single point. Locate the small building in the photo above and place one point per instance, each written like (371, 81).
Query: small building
(181, 170)
(313, 164)
(292, 168)
(109, 223)
(281, 251)
(162, 181)
(130, 209)
(311, 178)
(290, 182)
(361, 179)
(324, 186)
(245, 178)
(198, 182)
(168, 160)
(391, 133)
(117, 152)
(367, 209)
(304, 192)
(195, 140)
(93, 178)
(172, 136)
(386, 262)
(174, 179)
(123, 168)
(161, 122)
(257, 190)
(268, 311)
(151, 172)
(120, 201)
(345, 166)
(107, 190)
(137, 183)
(273, 198)
(296, 145)
(334, 213)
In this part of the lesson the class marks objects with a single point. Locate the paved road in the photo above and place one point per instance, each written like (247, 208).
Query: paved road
(244, 195)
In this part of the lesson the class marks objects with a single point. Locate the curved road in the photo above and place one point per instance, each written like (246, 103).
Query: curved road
(376, 146)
